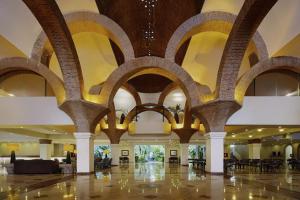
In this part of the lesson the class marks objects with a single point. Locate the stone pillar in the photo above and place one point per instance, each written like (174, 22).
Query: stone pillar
(45, 149)
(184, 154)
(215, 152)
(85, 152)
(254, 147)
(115, 153)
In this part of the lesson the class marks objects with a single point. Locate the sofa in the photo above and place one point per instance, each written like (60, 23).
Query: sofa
(36, 167)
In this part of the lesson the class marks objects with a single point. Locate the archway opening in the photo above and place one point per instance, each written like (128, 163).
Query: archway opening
(149, 153)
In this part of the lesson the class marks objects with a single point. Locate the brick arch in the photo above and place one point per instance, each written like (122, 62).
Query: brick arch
(203, 90)
(172, 86)
(248, 20)
(15, 64)
(283, 62)
(152, 107)
(52, 21)
(154, 65)
(85, 21)
(95, 90)
(216, 21)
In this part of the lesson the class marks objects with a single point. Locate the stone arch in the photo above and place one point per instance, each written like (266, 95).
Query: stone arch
(154, 65)
(150, 107)
(15, 64)
(85, 21)
(95, 90)
(217, 21)
(52, 21)
(203, 90)
(283, 62)
(172, 86)
(248, 20)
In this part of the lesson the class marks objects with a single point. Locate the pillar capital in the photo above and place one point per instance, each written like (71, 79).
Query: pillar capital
(114, 135)
(184, 134)
(215, 135)
(84, 135)
(214, 114)
(85, 115)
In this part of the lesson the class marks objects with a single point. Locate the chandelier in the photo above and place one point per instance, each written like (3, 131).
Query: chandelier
(148, 29)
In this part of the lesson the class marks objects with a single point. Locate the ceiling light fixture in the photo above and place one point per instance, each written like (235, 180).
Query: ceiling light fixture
(148, 30)
(250, 136)
(281, 129)
(259, 130)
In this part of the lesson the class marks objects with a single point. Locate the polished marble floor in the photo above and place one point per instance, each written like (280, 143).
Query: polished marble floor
(152, 181)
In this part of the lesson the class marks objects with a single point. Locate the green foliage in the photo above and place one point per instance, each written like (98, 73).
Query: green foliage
(145, 153)
(99, 151)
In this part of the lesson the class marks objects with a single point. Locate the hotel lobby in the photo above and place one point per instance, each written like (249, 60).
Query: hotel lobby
(149, 99)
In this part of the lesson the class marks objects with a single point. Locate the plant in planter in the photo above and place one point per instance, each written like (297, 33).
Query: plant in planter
(12, 157)
(176, 110)
(123, 115)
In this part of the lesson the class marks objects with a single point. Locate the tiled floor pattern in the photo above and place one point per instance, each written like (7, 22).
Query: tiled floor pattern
(152, 181)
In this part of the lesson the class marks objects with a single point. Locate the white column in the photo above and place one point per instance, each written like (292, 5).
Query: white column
(85, 152)
(45, 149)
(254, 150)
(115, 153)
(184, 155)
(215, 152)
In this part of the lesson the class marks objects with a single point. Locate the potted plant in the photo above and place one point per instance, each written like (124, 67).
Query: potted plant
(12, 157)
(176, 110)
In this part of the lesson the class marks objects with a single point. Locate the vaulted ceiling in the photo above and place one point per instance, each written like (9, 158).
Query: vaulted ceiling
(149, 25)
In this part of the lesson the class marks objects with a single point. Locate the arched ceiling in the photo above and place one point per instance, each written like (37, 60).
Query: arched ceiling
(17, 39)
(202, 61)
(77, 5)
(95, 56)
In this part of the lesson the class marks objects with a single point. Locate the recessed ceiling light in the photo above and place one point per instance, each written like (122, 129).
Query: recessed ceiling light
(233, 136)
(281, 130)
(259, 130)
(250, 136)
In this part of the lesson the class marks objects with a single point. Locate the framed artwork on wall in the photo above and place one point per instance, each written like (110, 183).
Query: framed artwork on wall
(124, 153)
(173, 152)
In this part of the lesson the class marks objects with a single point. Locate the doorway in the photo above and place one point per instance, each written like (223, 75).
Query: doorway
(149, 153)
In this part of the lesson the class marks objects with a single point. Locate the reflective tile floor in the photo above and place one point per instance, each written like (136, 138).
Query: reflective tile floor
(152, 181)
